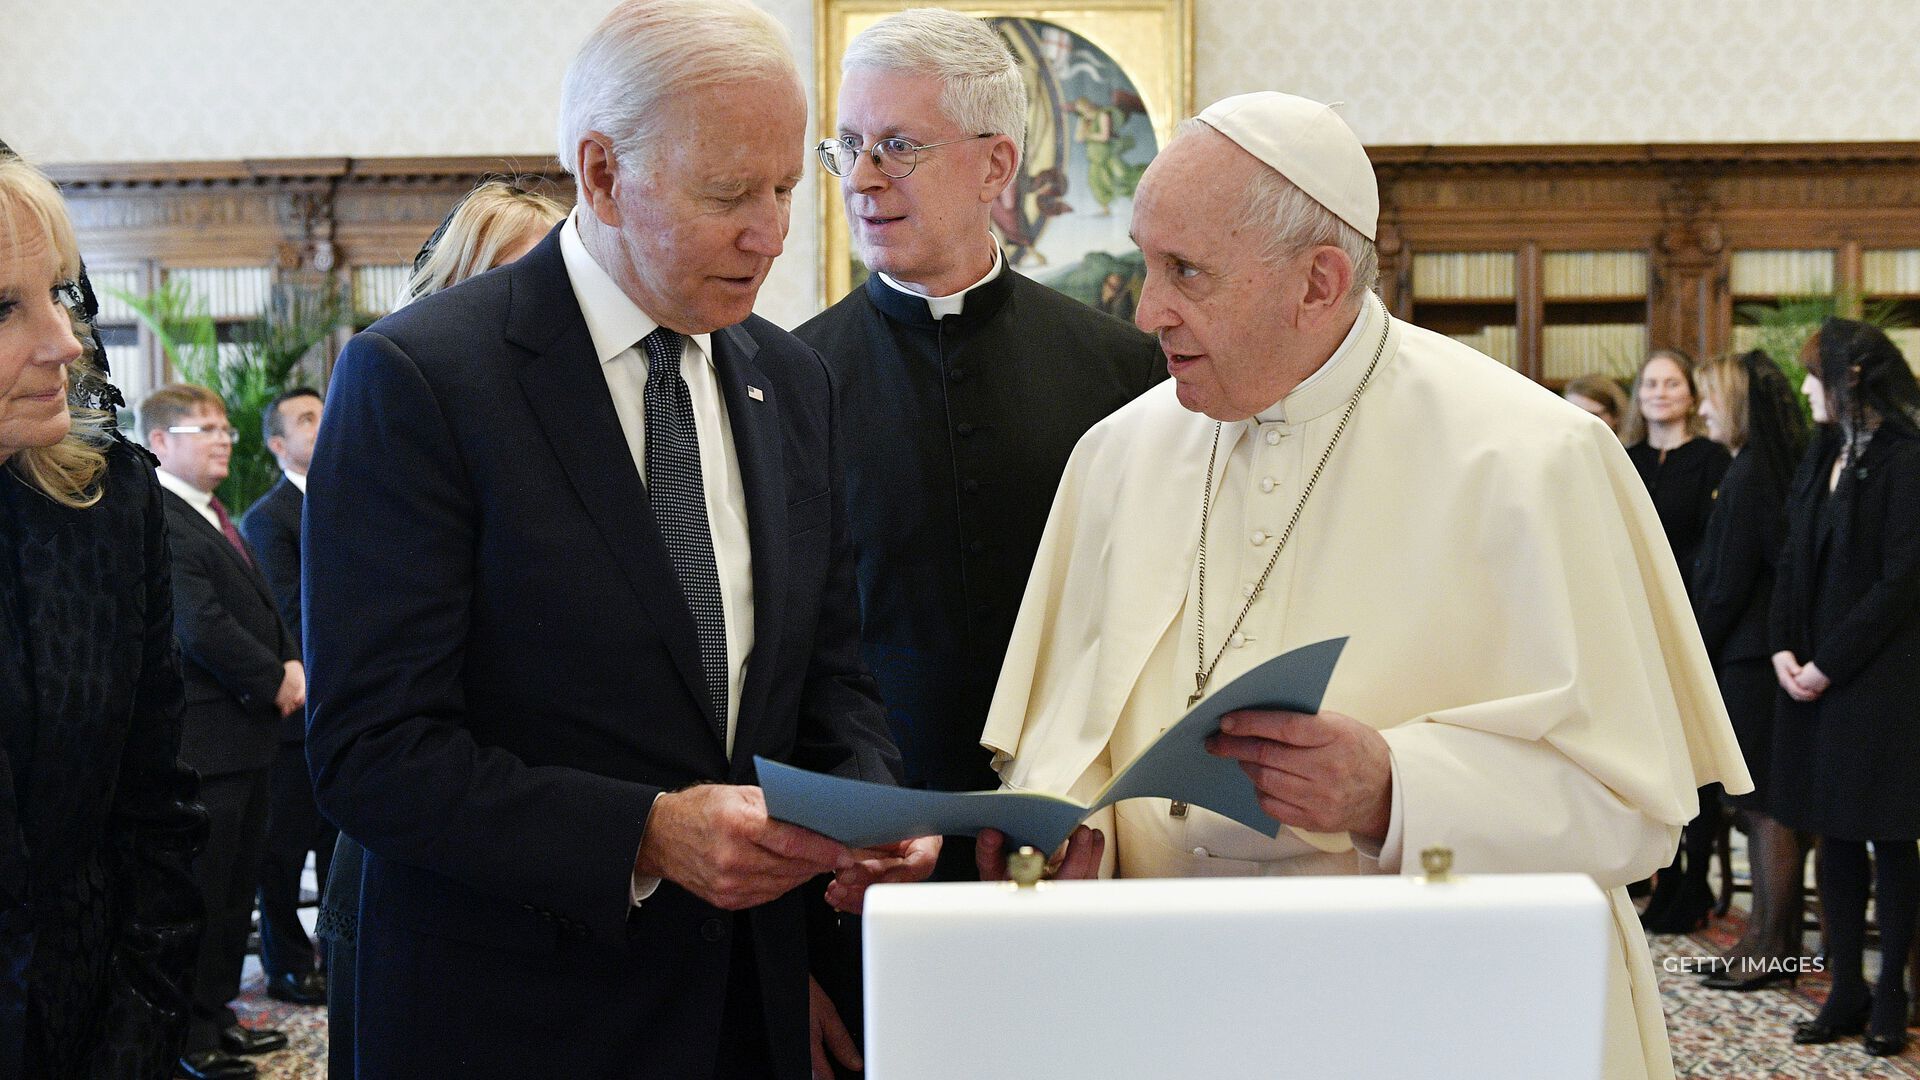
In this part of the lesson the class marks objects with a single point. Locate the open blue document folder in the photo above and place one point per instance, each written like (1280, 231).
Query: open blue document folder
(1176, 766)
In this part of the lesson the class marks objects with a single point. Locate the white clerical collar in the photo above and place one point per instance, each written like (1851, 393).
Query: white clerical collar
(953, 303)
(614, 321)
(297, 479)
(1307, 396)
(199, 500)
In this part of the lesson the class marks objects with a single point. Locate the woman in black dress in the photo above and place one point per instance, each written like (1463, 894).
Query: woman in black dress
(1681, 470)
(1846, 630)
(98, 914)
(1751, 409)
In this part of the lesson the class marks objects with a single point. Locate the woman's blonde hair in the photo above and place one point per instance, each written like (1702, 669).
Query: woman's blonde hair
(69, 471)
(1723, 380)
(488, 222)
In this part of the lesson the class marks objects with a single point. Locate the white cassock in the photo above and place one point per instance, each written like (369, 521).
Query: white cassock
(1519, 632)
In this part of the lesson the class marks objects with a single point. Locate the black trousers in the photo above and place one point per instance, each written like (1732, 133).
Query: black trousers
(226, 872)
(294, 827)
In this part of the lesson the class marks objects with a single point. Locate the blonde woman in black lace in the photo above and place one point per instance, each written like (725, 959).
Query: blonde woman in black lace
(98, 915)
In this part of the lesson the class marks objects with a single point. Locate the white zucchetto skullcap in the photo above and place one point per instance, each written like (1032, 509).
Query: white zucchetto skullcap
(1310, 145)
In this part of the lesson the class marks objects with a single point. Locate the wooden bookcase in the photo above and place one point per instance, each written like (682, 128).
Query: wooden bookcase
(1708, 227)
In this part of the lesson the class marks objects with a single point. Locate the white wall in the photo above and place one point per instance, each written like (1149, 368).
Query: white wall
(138, 80)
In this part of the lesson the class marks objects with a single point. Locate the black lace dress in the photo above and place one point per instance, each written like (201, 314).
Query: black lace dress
(98, 914)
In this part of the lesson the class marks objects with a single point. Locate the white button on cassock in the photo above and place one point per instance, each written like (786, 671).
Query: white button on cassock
(1273, 438)
(1200, 851)
(1266, 483)
(1237, 640)
(1258, 538)
(1247, 591)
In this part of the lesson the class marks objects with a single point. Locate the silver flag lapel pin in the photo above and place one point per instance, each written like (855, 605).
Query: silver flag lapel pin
(755, 393)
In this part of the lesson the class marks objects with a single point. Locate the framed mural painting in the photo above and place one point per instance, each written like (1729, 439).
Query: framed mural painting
(1107, 80)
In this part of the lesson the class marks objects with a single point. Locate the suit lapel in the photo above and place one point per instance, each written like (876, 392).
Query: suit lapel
(567, 391)
(198, 522)
(755, 420)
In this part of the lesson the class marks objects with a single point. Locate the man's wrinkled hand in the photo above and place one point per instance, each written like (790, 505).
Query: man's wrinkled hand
(1322, 772)
(908, 860)
(1077, 860)
(828, 1034)
(717, 842)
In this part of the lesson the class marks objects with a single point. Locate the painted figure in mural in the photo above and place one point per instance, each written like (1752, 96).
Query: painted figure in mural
(1110, 175)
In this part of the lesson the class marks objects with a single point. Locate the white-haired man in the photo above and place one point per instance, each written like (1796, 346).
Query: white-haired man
(545, 668)
(1524, 681)
(963, 385)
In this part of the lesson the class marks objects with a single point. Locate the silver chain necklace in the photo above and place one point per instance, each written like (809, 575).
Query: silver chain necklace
(1203, 670)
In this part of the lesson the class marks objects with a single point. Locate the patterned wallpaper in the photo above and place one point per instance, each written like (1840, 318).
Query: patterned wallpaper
(136, 80)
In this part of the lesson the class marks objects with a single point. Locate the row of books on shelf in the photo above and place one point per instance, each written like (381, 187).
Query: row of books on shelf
(378, 290)
(1568, 352)
(1499, 342)
(1782, 273)
(1463, 275)
(1574, 275)
(1895, 272)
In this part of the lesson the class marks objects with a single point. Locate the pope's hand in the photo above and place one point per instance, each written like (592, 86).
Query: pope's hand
(1322, 772)
(717, 842)
(908, 860)
(1078, 859)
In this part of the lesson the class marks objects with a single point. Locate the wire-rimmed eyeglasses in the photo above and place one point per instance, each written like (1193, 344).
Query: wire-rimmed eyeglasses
(231, 435)
(894, 157)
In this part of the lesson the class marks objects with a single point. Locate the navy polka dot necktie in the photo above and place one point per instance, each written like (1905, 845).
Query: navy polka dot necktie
(679, 502)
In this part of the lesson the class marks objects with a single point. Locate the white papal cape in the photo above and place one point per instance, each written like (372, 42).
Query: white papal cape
(1519, 633)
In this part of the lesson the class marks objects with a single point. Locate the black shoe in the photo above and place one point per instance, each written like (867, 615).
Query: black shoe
(1884, 1045)
(214, 1065)
(1727, 980)
(1687, 909)
(302, 988)
(1822, 1029)
(242, 1040)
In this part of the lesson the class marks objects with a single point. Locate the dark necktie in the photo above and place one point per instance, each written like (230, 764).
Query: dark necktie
(233, 534)
(679, 502)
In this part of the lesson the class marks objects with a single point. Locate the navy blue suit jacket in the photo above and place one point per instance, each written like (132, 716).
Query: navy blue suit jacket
(272, 529)
(505, 675)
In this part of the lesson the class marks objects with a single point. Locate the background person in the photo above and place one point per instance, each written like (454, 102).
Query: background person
(1750, 409)
(243, 678)
(271, 527)
(99, 917)
(1601, 396)
(1681, 469)
(1846, 627)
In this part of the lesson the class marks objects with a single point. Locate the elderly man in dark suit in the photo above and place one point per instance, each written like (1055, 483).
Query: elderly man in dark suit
(243, 676)
(289, 423)
(576, 552)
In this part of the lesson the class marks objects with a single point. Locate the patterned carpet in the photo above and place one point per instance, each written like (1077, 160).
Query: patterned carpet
(1714, 1034)
(1749, 1036)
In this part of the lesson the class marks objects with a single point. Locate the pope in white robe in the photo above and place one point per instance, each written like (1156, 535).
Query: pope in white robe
(1524, 682)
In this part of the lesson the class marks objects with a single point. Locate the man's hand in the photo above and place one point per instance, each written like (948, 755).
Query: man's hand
(716, 841)
(1077, 860)
(292, 694)
(829, 1034)
(1788, 670)
(908, 860)
(1322, 772)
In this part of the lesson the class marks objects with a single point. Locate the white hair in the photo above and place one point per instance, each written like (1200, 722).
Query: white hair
(1294, 221)
(981, 87)
(647, 52)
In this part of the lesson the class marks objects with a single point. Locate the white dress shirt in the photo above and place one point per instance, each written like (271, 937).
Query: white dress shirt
(953, 303)
(617, 324)
(201, 501)
(297, 479)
